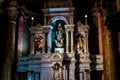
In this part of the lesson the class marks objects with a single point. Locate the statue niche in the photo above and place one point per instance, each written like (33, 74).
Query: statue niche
(59, 37)
(80, 42)
(38, 42)
(57, 71)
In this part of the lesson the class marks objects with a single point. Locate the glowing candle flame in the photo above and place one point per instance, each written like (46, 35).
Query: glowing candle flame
(32, 18)
(85, 16)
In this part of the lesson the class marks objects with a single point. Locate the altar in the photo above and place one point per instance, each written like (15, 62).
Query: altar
(53, 47)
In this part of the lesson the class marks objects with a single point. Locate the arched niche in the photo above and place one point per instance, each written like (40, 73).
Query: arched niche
(58, 36)
(57, 18)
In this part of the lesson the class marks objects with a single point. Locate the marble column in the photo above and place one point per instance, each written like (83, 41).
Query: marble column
(108, 56)
(118, 5)
(43, 50)
(82, 75)
(21, 34)
(110, 71)
(63, 73)
(45, 20)
(86, 42)
(85, 76)
(32, 44)
(9, 65)
(67, 42)
(100, 30)
(26, 42)
(48, 44)
(118, 9)
(70, 19)
(37, 76)
(71, 41)
(72, 71)
(30, 76)
(119, 40)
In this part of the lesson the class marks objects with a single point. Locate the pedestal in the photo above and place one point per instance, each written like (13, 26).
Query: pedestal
(59, 50)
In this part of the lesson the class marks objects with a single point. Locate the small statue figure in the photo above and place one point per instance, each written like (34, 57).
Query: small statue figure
(38, 43)
(57, 74)
(57, 71)
(80, 42)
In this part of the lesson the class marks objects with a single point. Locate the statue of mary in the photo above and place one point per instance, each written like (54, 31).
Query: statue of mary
(59, 36)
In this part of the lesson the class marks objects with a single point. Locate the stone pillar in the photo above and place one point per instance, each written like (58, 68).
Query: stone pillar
(70, 19)
(37, 76)
(67, 41)
(71, 41)
(72, 70)
(119, 40)
(43, 43)
(32, 44)
(108, 56)
(86, 42)
(118, 9)
(20, 36)
(30, 75)
(85, 76)
(110, 72)
(118, 4)
(44, 20)
(26, 43)
(10, 57)
(48, 44)
(63, 72)
(100, 30)
(81, 74)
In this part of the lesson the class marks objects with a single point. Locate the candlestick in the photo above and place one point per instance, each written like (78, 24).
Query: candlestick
(32, 18)
(85, 19)
(85, 16)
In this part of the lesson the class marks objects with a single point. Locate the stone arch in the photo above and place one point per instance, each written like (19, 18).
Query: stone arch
(56, 54)
(57, 18)
(58, 62)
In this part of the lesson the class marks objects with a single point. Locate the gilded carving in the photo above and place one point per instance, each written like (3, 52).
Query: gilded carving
(38, 43)
(80, 42)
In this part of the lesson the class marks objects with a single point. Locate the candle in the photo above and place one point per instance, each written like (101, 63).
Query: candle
(85, 16)
(85, 19)
(32, 18)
